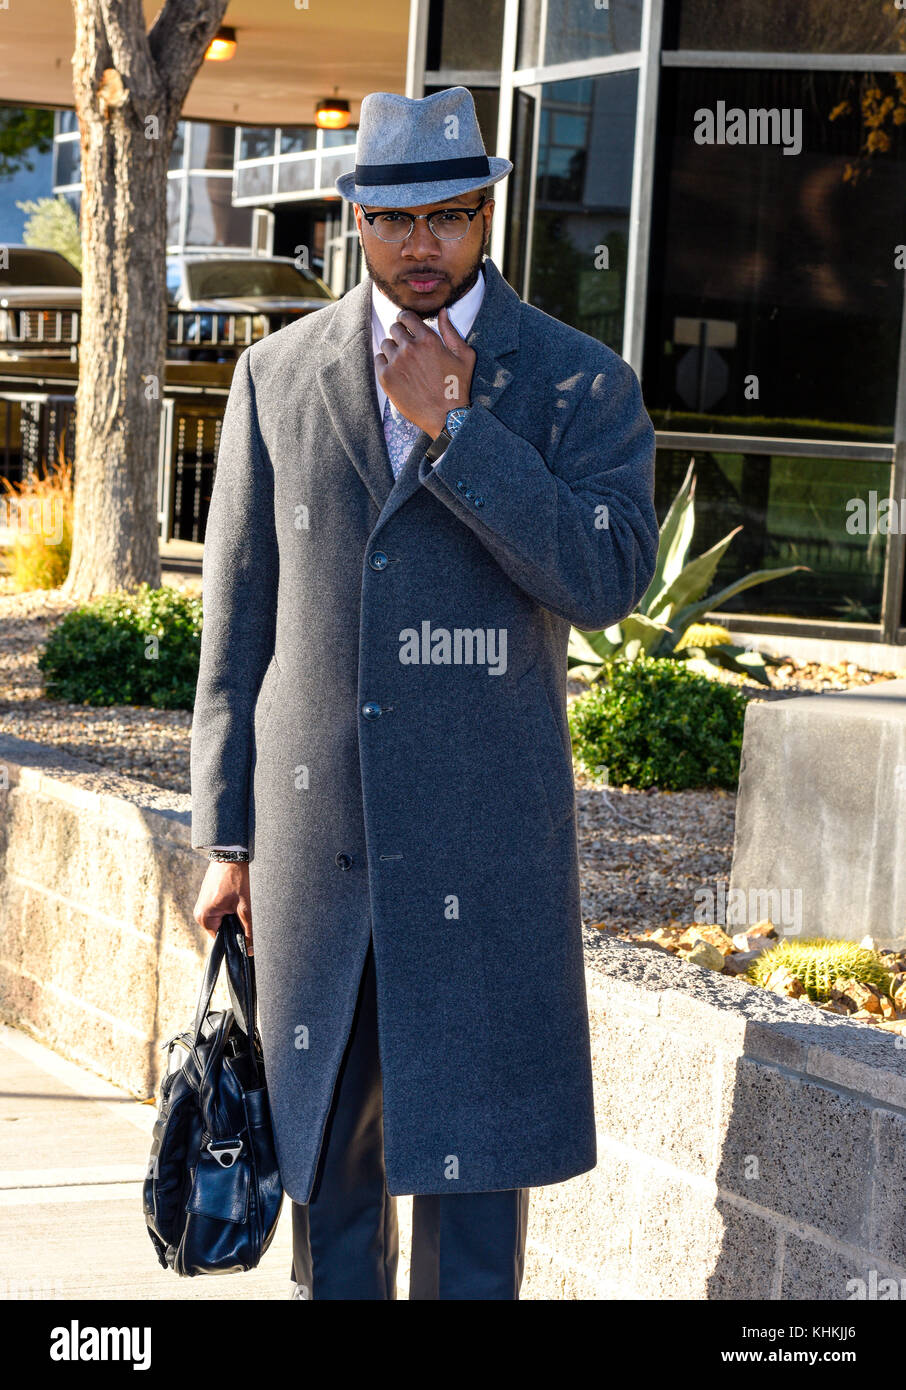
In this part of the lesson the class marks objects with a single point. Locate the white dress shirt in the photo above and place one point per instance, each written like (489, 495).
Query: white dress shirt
(383, 314)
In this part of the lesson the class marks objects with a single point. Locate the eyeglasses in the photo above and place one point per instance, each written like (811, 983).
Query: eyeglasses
(447, 224)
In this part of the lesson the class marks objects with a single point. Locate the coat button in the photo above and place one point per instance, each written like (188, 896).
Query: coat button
(371, 710)
(343, 861)
(469, 494)
(479, 501)
(461, 485)
(378, 561)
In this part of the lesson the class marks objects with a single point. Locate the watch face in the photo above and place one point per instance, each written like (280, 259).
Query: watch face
(455, 418)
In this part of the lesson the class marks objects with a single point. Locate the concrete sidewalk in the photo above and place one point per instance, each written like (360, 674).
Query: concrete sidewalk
(73, 1154)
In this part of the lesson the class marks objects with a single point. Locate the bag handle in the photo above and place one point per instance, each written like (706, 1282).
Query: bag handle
(240, 975)
(209, 980)
(230, 942)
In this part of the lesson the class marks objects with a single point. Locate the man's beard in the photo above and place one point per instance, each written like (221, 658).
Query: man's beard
(457, 290)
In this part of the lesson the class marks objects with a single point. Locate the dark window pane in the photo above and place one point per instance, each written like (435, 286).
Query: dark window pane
(68, 161)
(257, 142)
(576, 29)
(213, 221)
(465, 34)
(250, 278)
(582, 194)
(787, 26)
(178, 148)
(774, 299)
(520, 187)
(793, 511)
(38, 267)
(211, 146)
(67, 121)
(293, 140)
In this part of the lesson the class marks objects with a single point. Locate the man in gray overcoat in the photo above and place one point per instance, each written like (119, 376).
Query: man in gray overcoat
(419, 489)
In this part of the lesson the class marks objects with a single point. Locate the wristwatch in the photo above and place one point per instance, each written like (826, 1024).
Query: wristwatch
(456, 418)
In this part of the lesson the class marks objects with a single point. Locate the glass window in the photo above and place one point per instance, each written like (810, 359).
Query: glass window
(174, 279)
(561, 31)
(519, 188)
(67, 121)
(330, 139)
(212, 220)
(793, 511)
(332, 166)
(787, 26)
(295, 139)
(774, 301)
(174, 207)
(465, 34)
(67, 161)
(178, 148)
(582, 187)
(295, 174)
(251, 277)
(211, 146)
(38, 267)
(257, 142)
(254, 180)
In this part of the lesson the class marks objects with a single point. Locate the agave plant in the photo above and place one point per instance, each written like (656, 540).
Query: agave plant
(672, 603)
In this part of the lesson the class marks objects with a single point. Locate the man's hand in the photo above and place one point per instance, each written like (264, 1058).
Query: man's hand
(423, 376)
(225, 888)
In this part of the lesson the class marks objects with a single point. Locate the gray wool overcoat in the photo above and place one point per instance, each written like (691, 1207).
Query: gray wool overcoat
(380, 716)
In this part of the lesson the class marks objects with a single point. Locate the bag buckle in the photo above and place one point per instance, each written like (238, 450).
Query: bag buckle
(226, 1151)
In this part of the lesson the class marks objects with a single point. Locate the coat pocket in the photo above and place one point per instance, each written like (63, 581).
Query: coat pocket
(550, 750)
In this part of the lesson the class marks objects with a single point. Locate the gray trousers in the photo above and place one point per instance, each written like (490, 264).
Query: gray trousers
(465, 1245)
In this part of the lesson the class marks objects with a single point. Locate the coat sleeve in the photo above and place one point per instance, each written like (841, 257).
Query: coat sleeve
(579, 534)
(239, 606)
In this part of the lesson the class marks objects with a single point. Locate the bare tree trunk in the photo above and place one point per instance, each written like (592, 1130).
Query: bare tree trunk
(129, 90)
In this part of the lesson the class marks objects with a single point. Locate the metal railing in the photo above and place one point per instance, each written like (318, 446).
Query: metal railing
(192, 335)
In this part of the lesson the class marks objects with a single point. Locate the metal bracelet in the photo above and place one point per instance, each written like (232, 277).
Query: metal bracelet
(229, 856)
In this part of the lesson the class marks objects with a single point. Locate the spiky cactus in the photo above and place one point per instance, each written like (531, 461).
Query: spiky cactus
(704, 635)
(820, 963)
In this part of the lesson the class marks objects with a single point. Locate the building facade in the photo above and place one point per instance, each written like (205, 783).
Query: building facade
(719, 194)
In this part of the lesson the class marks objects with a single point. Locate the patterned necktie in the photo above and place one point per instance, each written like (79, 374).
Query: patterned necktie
(400, 435)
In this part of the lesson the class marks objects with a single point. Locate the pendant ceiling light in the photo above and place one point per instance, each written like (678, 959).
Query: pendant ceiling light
(222, 46)
(332, 114)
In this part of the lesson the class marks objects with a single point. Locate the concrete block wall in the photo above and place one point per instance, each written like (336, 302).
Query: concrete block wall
(748, 1146)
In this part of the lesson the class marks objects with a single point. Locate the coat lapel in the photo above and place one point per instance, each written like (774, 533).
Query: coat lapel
(346, 378)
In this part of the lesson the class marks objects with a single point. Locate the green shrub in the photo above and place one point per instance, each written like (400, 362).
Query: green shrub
(658, 724)
(819, 963)
(127, 648)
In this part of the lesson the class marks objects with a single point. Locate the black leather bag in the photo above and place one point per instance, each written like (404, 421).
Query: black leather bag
(212, 1194)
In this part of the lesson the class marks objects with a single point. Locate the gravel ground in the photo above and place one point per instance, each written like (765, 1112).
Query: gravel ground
(643, 854)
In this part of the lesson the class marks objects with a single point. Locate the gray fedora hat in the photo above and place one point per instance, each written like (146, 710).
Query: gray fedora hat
(412, 150)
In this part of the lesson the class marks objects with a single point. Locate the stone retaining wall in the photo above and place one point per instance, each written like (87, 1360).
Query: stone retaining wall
(749, 1147)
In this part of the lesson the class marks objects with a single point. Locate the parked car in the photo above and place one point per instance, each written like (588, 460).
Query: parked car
(40, 299)
(219, 302)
